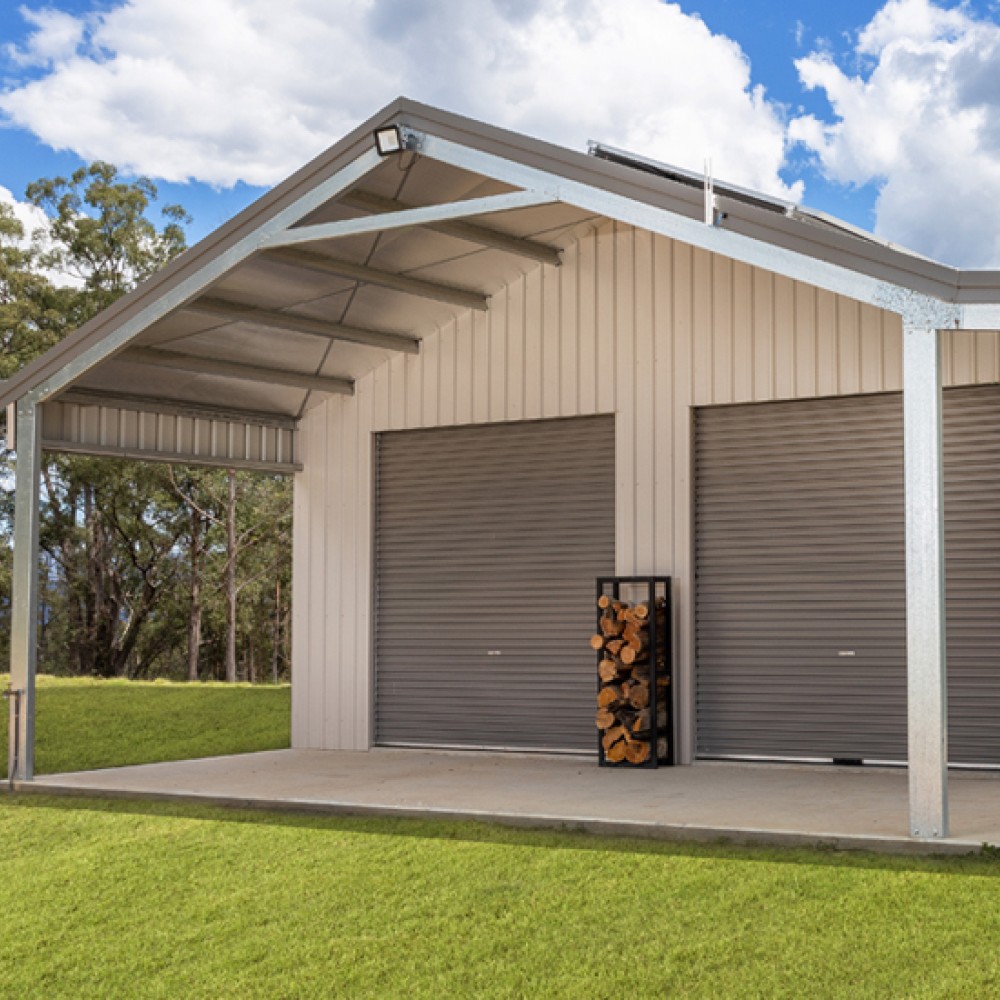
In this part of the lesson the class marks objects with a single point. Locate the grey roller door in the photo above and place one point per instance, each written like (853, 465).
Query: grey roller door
(488, 539)
(799, 543)
(800, 629)
(972, 567)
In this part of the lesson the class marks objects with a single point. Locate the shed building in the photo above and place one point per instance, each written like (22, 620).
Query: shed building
(498, 369)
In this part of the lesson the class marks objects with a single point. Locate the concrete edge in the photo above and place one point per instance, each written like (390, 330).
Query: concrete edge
(682, 833)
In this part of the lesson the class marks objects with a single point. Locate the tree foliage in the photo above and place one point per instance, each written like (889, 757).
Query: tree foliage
(134, 554)
(31, 316)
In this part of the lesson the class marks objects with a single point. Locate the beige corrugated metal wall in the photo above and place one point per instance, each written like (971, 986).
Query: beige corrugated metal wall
(631, 324)
(124, 432)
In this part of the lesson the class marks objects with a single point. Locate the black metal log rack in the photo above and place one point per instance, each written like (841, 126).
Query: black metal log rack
(651, 669)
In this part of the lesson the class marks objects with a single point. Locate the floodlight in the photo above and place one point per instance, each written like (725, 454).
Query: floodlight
(388, 140)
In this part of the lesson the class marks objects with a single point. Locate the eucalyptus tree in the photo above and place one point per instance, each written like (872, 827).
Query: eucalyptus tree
(147, 571)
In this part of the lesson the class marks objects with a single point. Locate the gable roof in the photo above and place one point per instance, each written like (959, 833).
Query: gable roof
(260, 326)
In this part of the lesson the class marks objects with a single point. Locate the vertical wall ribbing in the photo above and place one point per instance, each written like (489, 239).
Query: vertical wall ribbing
(631, 324)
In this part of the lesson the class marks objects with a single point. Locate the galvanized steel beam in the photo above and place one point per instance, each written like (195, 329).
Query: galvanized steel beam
(175, 408)
(926, 671)
(233, 369)
(716, 239)
(24, 605)
(980, 316)
(173, 457)
(210, 273)
(493, 239)
(409, 217)
(463, 297)
(274, 320)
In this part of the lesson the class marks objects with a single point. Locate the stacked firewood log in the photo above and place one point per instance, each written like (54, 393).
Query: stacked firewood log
(626, 673)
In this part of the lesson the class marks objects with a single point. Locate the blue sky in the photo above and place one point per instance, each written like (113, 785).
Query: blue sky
(881, 114)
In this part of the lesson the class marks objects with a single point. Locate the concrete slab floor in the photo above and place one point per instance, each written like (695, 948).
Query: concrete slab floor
(775, 803)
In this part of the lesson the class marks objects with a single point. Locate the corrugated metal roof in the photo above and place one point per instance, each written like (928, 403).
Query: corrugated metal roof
(387, 297)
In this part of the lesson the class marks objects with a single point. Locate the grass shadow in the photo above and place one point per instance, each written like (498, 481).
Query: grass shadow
(985, 863)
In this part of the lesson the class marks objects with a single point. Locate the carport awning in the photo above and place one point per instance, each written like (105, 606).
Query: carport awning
(358, 256)
(312, 316)
(307, 291)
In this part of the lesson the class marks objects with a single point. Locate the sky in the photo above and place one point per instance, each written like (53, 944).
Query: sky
(884, 115)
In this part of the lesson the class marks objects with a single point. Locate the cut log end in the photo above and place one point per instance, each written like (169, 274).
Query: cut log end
(612, 736)
(605, 718)
(638, 695)
(607, 670)
(608, 696)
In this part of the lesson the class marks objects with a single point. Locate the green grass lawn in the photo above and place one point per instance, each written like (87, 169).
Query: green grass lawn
(135, 900)
(83, 723)
(113, 899)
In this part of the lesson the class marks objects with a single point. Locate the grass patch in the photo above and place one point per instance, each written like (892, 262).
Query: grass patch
(84, 723)
(117, 899)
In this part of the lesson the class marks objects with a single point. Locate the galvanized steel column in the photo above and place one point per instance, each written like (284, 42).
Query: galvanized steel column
(927, 693)
(24, 611)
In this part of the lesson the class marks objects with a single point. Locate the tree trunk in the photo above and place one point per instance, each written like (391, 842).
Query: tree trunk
(119, 657)
(276, 631)
(195, 616)
(230, 585)
(77, 644)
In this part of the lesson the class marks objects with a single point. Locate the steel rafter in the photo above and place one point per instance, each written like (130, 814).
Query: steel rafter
(275, 320)
(470, 232)
(409, 217)
(464, 297)
(233, 369)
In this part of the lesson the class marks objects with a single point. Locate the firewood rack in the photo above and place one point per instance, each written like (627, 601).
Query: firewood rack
(656, 593)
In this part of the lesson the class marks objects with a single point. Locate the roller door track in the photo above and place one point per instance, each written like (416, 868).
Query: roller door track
(800, 610)
(488, 540)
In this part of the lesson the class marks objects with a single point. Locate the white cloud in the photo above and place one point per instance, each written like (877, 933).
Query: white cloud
(922, 120)
(56, 36)
(228, 90)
